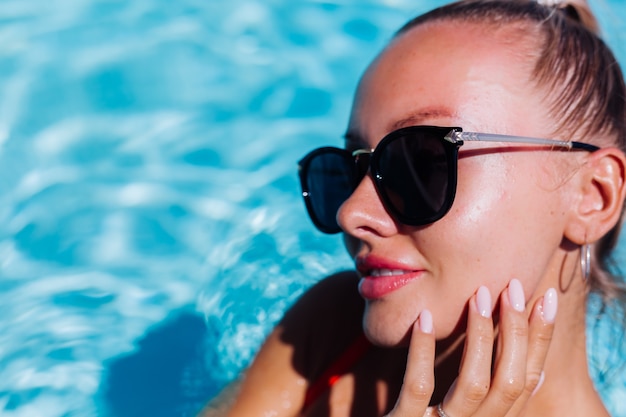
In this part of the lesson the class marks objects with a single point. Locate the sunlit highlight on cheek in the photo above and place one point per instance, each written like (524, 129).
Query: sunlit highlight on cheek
(482, 189)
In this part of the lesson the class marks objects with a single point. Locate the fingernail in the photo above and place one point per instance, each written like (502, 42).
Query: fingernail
(426, 322)
(549, 306)
(483, 301)
(516, 295)
(540, 383)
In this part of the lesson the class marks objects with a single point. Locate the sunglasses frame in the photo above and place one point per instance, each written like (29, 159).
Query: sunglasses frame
(452, 139)
(303, 169)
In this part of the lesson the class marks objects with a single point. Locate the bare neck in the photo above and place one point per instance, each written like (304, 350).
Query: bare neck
(567, 388)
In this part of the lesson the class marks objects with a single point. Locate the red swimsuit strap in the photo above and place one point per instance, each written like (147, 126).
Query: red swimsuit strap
(339, 367)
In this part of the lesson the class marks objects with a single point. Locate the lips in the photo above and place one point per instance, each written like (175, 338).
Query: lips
(380, 277)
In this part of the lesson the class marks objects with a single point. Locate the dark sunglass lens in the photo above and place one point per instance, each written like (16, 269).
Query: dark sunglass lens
(330, 181)
(414, 171)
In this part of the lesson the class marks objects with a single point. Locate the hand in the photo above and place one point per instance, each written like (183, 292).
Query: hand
(521, 348)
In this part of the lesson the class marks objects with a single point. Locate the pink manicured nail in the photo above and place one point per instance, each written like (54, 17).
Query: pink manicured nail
(516, 295)
(426, 322)
(549, 306)
(483, 301)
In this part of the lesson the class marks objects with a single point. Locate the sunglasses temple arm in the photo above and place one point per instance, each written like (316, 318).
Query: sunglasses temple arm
(490, 137)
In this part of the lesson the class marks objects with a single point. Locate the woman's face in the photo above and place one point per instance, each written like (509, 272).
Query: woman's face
(508, 216)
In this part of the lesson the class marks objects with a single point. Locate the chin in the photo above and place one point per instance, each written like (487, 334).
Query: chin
(385, 333)
(385, 329)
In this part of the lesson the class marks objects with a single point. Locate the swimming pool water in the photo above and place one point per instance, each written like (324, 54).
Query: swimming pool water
(151, 229)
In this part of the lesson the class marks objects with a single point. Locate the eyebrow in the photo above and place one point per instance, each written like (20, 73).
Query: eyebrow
(354, 139)
(418, 117)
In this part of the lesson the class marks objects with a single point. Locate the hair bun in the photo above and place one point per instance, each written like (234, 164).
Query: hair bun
(575, 10)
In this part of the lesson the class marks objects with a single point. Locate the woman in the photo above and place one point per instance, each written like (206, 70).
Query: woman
(464, 243)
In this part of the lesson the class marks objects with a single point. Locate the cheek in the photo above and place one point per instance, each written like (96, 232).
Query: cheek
(483, 193)
(508, 190)
(505, 223)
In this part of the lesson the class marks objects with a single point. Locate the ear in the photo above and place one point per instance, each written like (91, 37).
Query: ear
(603, 189)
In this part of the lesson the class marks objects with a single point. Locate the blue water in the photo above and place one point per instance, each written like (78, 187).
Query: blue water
(151, 229)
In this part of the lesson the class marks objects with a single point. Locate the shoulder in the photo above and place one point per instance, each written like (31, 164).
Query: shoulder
(323, 322)
(332, 295)
(329, 305)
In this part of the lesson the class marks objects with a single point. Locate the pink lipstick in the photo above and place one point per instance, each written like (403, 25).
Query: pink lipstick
(380, 277)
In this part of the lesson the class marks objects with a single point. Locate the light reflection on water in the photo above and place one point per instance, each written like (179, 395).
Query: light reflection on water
(151, 230)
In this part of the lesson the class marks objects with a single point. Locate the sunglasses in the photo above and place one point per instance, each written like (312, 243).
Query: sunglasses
(414, 170)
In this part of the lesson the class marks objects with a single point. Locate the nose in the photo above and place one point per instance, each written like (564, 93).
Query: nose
(363, 214)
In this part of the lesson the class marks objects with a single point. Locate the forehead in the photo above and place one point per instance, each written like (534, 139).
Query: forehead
(449, 73)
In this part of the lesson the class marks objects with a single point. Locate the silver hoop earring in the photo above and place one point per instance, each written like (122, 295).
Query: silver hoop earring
(585, 261)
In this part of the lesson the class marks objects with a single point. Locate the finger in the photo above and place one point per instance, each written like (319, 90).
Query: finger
(509, 378)
(472, 385)
(541, 328)
(541, 331)
(419, 377)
